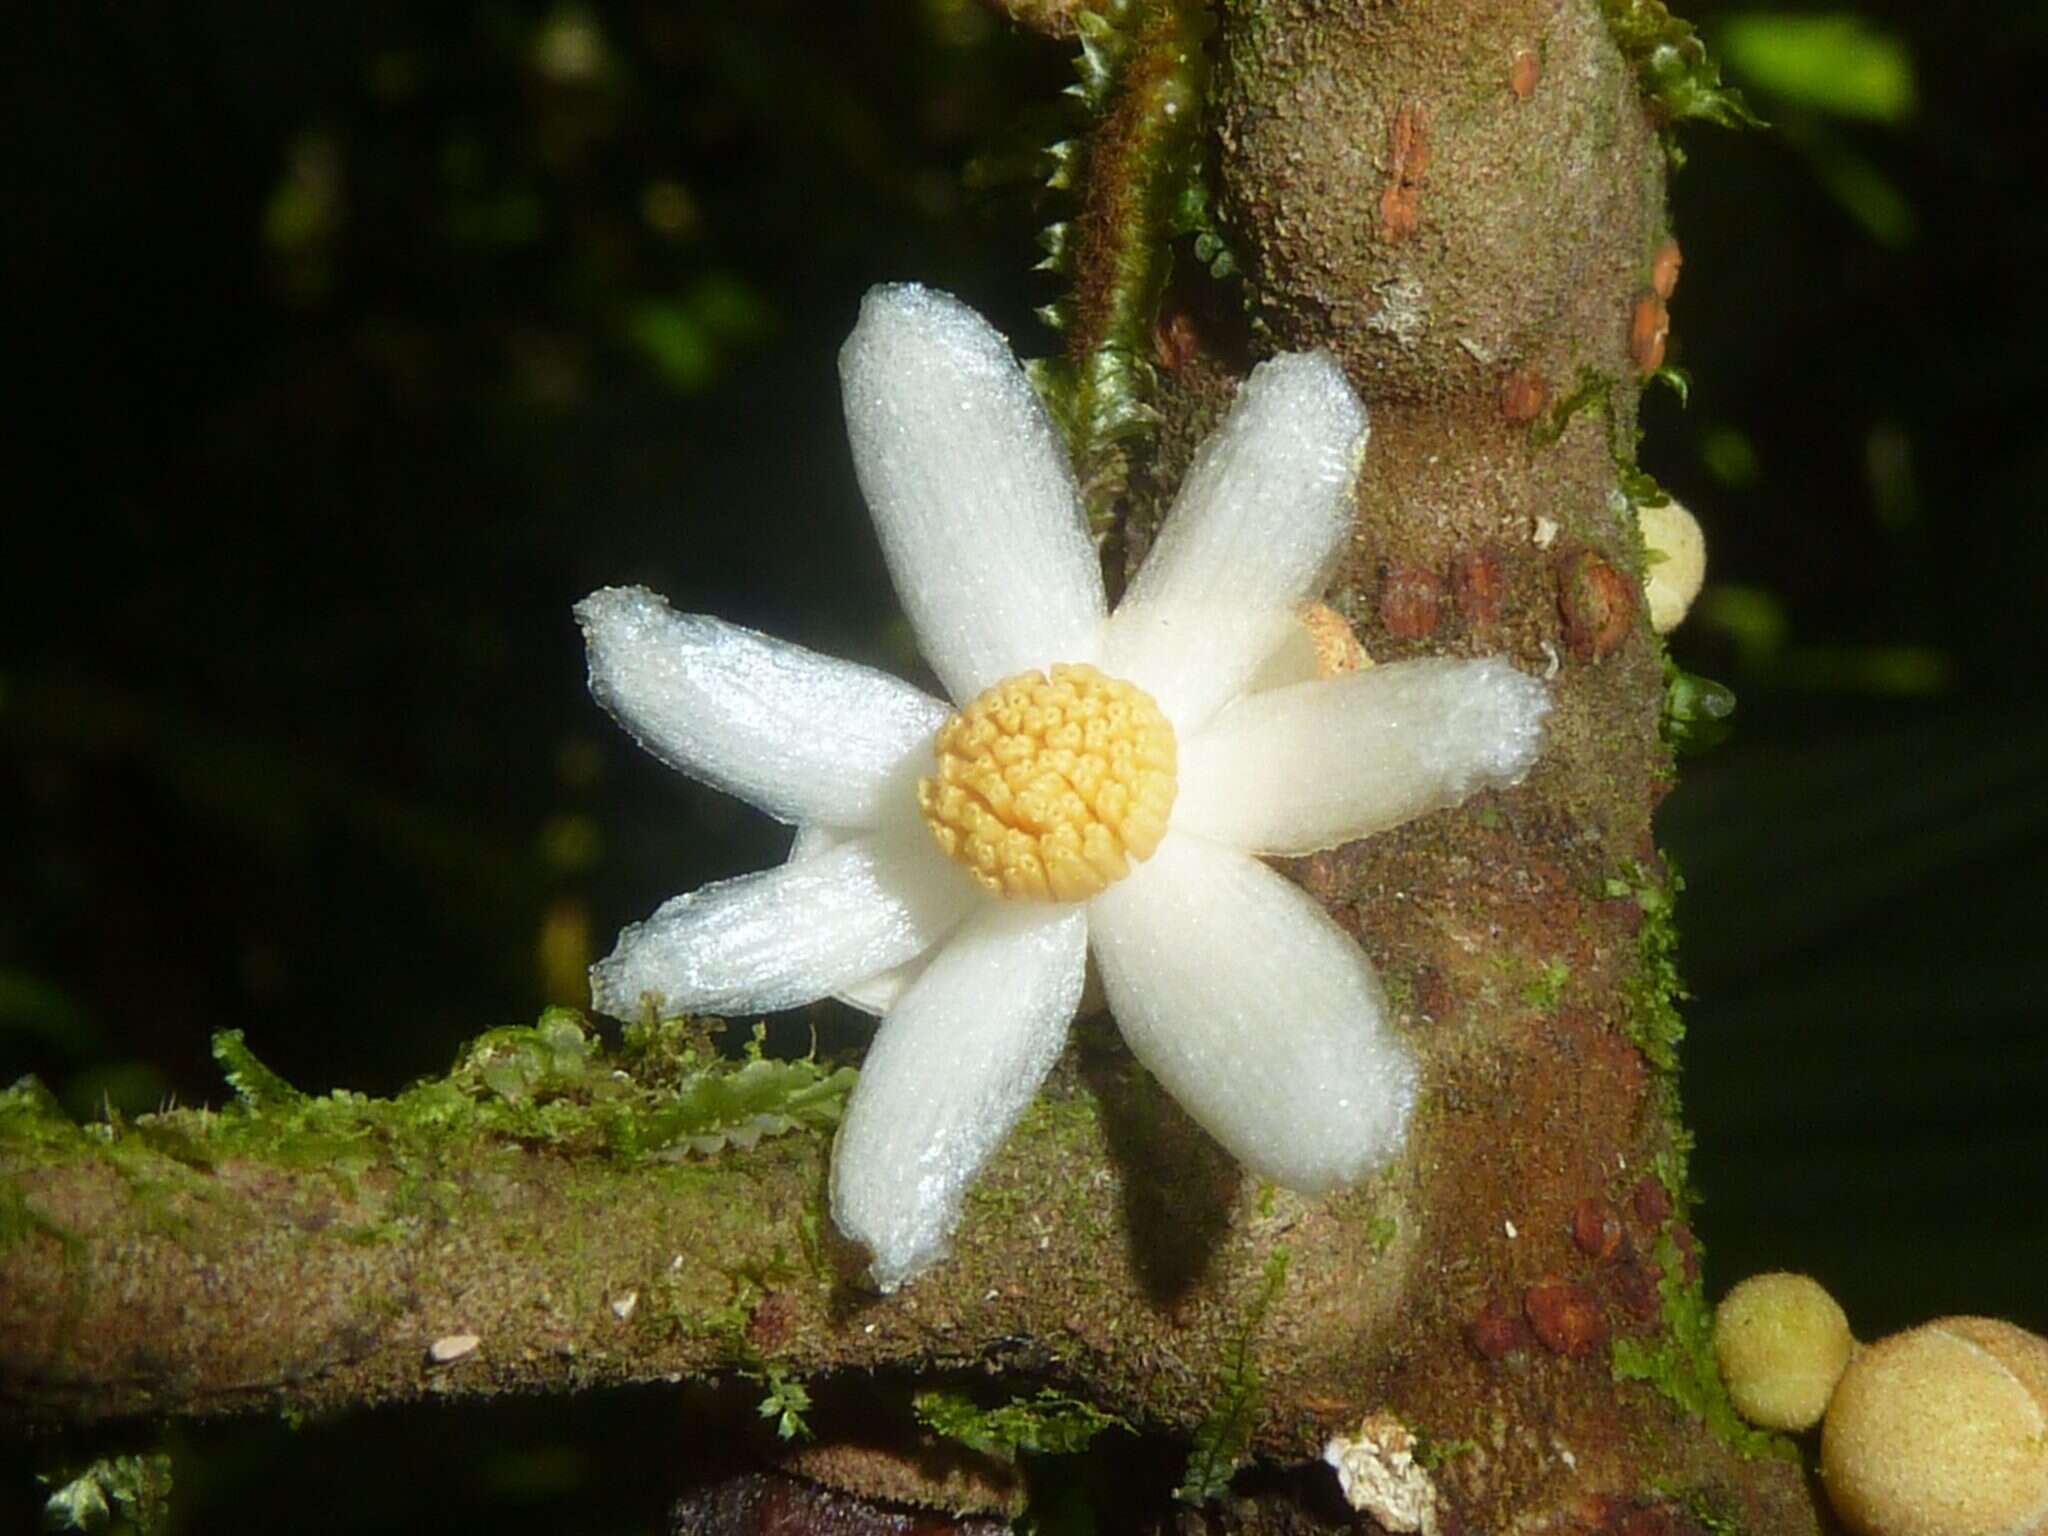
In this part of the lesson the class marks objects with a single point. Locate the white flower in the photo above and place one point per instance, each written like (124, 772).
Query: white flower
(1230, 984)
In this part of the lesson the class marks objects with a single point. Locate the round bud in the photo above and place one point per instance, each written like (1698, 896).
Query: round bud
(1782, 1343)
(1677, 553)
(1942, 1431)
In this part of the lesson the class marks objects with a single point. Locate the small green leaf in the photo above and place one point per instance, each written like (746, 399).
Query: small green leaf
(1696, 710)
(786, 1401)
(1593, 389)
(725, 1106)
(1677, 380)
(255, 1084)
(1225, 1437)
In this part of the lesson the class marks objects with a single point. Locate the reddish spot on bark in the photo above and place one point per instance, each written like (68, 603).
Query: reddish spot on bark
(1523, 396)
(1497, 1332)
(773, 1320)
(1596, 1228)
(1625, 912)
(1410, 597)
(1647, 331)
(1400, 203)
(1596, 1512)
(1620, 1065)
(1479, 580)
(1688, 1250)
(1174, 342)
(1652, 1202)
(1523, 74)
(1597, 602)
(1646, 1520)
(1664, 269)
(1435, 995)
(1634, 1286)
(1566, 1319)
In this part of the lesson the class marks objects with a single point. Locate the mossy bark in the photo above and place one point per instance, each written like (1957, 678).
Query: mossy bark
(1462, 201)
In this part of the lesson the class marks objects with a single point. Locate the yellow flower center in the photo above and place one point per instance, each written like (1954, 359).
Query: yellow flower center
(1046, 790)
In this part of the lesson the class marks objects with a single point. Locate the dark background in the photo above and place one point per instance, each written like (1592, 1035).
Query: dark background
(354, 343)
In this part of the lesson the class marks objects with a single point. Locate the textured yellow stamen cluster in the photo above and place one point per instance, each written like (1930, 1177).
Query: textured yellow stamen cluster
(1047, 789)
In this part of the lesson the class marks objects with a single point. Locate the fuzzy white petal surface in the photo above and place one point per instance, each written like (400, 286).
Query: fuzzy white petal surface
(788, 935)
(1295, 769)
(805, 737)
(1256, 1011)
(1264, 511)
(878, 993)
(973, 501)
(951, 1069)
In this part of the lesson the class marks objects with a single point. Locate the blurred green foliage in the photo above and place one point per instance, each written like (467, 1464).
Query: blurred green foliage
(1832, 62)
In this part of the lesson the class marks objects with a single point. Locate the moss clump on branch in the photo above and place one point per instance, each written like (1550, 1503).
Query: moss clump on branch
(1680, 1361)
(1679, 79)
(665, 1094)
(136, 1489)
(1655, 989)
(1048, 1423)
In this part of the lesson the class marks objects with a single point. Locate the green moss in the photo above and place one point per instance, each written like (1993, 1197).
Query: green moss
(1655, 990)
(1225, 1436)
(19, 1221)
(1048, 1423)
(784, 1397)
(136, 1489)
(1546, 989)
(1431, 1453)
(34, 1123)
(1639, 485)
(255, 1085)
(1594, 390)
(1597, 391)
(1712, 1514)
(664, 1102)
(1678, 78)
(1680, 1361)
(1380, 1232)
(1400, 990)
(665, 1096)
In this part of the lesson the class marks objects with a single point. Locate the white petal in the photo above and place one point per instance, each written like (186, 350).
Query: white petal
(802, 736)
(972, 497)
(1317, 764)
(1262, 514)
(789, 935)
(949, 1073)
(1257, 1013)
(878, 993)
(1293, 660)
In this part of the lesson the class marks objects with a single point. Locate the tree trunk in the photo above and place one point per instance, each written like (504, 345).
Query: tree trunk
(1464, 202)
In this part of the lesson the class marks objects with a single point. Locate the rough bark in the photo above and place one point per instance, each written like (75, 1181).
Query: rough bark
(1464, 202)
